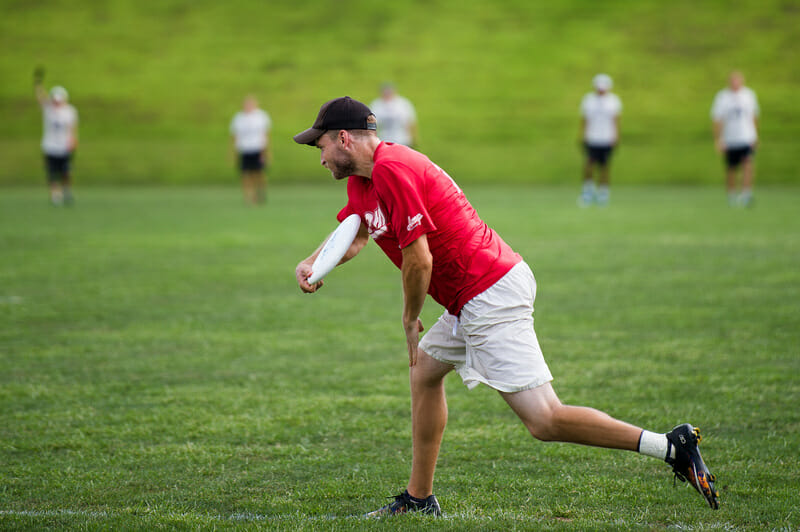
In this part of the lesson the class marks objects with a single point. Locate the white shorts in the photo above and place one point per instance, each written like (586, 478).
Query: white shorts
(493, 341)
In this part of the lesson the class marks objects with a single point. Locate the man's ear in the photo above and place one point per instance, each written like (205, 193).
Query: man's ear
(343, 137)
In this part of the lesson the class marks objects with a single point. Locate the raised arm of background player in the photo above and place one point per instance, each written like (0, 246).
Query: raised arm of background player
(303, 270)
(44, 99)
(39, 90)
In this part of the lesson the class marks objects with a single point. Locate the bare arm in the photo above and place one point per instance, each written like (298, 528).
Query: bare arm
(73, 137)
(268, 149)
(755, 125)
(616, 126)
(582, 130)
(717, 128)
(413, 130)
(303, 269)
(39, 90)
(416, 272)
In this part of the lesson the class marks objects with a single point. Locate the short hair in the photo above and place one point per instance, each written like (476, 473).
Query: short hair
(358, 133)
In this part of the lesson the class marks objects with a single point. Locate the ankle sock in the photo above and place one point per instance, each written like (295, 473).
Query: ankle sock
(655, 445)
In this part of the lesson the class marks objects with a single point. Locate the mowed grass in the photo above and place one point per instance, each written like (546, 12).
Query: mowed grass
(497, 85)
(160, 368)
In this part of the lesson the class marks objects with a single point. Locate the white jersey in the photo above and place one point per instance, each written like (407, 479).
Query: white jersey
(601, 112)
(59, 124)
(250, 130)
(395, 118)
(737, 111)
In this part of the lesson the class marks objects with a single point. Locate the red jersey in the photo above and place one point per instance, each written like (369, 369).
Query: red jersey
(409, 196)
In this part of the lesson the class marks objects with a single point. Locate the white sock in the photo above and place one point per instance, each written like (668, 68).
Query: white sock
(588, 188)
(655, 445)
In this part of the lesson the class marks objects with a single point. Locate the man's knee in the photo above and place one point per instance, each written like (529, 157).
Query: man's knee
(544, 427)
(539, 410)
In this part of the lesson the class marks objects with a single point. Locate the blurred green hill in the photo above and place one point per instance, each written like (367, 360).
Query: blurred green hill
(496, 84)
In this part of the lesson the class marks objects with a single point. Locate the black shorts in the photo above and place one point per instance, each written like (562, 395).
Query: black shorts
(57, 166)
(735, 156)
(598, 154)
(250, 161)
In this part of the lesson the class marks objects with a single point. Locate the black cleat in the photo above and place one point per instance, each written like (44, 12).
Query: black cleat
(688, 465)
(405, 503)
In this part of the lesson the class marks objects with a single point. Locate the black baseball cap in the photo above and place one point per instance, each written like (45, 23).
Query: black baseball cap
(339, 113)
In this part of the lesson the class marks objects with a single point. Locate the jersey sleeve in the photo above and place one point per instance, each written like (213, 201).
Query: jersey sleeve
(403, 193)
(346, 211)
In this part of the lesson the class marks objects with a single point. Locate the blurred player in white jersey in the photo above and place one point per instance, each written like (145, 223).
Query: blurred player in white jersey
(735, 116)
(250, 137)
(397, 119)
(59, 139)
(599, 132)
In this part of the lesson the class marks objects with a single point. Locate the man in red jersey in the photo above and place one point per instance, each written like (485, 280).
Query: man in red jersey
(423, 222)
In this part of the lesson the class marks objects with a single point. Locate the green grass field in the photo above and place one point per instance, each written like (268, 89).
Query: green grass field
(160, 369)
(497, 85)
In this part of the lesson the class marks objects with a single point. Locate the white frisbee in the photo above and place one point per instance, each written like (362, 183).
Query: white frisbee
(335, 248)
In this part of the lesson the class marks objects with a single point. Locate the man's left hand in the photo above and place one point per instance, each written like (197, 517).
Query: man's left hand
(413, 329)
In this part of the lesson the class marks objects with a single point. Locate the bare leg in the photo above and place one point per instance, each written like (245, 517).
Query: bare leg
(548, 420)
(428, 420)
(587, 170)
(260, 183)
(747, 173)
(56, 194)
(66, 187)
(730, 180)
(587, 191)
(249, 187)
(604, 174)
